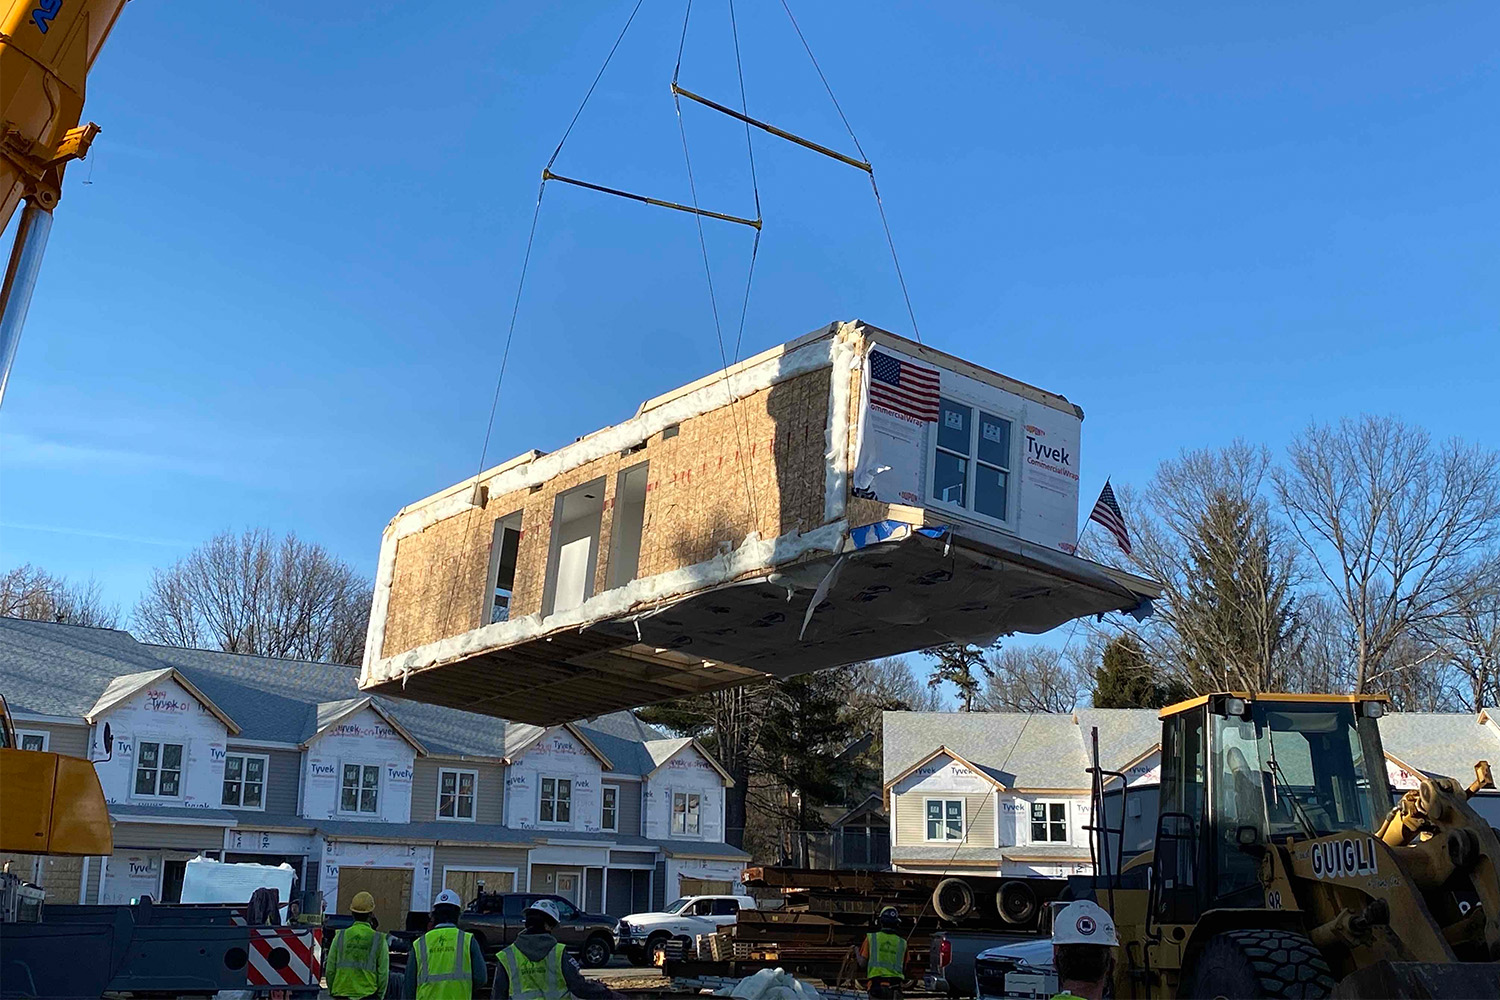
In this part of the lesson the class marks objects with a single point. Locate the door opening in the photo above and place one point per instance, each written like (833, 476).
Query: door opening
(627, 525)
(576, 521)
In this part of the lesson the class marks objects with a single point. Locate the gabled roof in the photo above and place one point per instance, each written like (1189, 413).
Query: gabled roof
(943, 751)
(1036, 751)
(874, 805)
(332, 713)
(663, 751)
(1439, 743)
(534, 735)
(122, 689)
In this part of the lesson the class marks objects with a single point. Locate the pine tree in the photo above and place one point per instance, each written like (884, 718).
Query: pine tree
(965, 666)
(1126, 679)
(804, 729)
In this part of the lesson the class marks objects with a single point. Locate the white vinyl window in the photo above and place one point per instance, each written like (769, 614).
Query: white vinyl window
(158, 769)
(457, 792)
(1049, 822)
(359, 789)
(945, 819)
(609, 811)
(28, 740)
(245, 780)
(557, 801)
(687, 814)
(971, 460)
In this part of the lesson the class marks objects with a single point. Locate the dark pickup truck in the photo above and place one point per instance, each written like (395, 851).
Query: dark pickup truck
(495, 918)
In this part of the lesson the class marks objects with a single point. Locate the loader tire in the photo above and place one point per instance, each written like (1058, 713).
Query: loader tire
(953, 899)
(1261, 965)
(1016, 902)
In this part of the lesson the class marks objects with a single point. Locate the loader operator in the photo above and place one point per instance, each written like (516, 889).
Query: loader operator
(882, 957)
(359, 960)
(537, 967)
(446, 963)
(1083, 950)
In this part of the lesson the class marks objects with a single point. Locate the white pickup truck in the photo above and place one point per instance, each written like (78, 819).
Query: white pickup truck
(641, 936)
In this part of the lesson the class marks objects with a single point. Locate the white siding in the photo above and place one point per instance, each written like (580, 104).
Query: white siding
(945, 778)
(363, 738)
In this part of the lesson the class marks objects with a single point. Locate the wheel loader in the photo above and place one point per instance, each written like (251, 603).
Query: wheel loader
(1282, 867)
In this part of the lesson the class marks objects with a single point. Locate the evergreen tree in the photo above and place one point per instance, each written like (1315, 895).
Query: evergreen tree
(1126, 679)
(965, 666)
(805, 727)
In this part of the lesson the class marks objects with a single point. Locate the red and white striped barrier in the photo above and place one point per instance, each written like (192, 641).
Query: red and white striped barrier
(285, 956)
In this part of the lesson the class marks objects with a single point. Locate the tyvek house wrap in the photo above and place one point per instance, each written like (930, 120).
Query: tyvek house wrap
(889, 568)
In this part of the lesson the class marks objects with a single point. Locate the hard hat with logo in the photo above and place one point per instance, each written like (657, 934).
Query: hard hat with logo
(1084, 922)
(889, 916)
(448, 898)
(362, 902)
(545, 907)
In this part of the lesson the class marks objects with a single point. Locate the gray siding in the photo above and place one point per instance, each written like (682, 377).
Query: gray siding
(96, 871)
(171, 836)
(630, 807)
(70, 740)
(593, 893)
(480, 857)
(489, 795)
(628, 892)
(632, 857)
(283, 772)
(659, 886)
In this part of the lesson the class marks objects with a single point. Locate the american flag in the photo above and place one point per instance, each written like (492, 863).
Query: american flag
(904, 388)
(1107, 513)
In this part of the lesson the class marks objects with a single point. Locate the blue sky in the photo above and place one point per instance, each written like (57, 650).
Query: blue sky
(281, 300)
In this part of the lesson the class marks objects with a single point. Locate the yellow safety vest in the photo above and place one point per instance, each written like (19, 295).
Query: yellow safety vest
(440, 960)
(530, 980)
(887, 956)
(356, 961)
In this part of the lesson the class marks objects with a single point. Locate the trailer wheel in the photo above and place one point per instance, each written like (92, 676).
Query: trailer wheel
(1016, 902)
(1261, 965)
(953, 899)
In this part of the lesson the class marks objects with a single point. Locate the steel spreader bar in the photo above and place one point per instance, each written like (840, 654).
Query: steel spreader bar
(548, 175)
(779, 133)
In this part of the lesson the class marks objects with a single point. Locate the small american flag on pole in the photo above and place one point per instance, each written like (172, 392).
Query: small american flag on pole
(907, 389)
(1107, 513)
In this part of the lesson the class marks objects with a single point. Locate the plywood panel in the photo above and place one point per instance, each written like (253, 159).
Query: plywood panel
(391, 888)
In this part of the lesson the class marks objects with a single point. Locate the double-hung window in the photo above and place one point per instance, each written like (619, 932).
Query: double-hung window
(32, 741)
(456, 794)
(687, 814)
(1049, 822)
(557, 801)
(158, 768)
(244, 781)
(609, 812)
(972, 460)
(945, 819)
(359, 789)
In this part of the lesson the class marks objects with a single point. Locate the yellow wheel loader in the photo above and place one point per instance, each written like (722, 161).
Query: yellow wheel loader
(1281, 869)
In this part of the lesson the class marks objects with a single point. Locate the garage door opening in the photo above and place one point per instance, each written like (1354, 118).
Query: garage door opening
(391, 888)
(470, 882)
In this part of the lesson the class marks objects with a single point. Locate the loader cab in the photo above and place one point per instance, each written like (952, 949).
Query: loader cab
(1240, 771)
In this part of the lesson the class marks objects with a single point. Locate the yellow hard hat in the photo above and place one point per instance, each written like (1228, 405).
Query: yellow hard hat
(363, 902)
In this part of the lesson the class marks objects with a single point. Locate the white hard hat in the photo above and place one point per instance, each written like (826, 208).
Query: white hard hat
(1084, 922)
(448, 898)
(544, 906)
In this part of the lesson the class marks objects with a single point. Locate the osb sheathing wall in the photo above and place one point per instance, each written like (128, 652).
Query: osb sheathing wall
(756, 465)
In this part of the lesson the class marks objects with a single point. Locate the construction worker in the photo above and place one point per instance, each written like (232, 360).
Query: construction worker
(536, 966)
(359, 960)
(446, 963)
(1083, 950)
(882, 956)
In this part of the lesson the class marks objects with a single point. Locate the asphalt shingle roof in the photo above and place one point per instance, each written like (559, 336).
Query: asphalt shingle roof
(1440, 743)
(1016, 749)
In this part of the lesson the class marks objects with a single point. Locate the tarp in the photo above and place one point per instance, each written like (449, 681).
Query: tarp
(206, 881)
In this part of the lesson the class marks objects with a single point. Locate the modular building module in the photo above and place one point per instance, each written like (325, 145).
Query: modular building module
(849, 495)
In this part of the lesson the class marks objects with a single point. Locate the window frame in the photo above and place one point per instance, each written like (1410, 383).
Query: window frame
(514, 521)
(458, 773)
(46, 736)
(604, 790)
(687, 794)
(1012, 469)
(161, 743)
(360, 788)
(265, 779)
(1049, 822)
(963, 819)
(540, 798)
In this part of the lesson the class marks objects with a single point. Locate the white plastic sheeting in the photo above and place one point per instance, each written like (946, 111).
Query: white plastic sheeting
(206, 881)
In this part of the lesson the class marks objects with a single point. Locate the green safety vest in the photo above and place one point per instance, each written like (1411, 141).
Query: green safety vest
(441, 965)
(356, 961)
(887, 956)
(535, 980)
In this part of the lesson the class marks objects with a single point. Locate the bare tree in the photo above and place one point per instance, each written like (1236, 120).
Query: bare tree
(1033, 678)
(32, 593)
(1394, 524)
(252, 593)
(1468, 636)
(887, 685)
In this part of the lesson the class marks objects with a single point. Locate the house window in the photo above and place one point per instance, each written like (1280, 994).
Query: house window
(158, 769)
(456, 794)
(503, 548)
(32, 740)
(609, 814)
(945, 819)
(971, 460)
(687, 814)
(1049, 822)
(245, 780)
(557, 801)
(359, 792)
(629, 521)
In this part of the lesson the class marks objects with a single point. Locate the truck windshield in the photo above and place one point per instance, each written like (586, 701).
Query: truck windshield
(1304, 770)
(677, 904)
